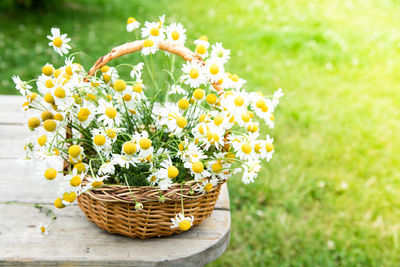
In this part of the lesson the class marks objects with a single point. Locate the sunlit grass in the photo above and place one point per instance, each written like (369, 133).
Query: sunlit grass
(335, 172)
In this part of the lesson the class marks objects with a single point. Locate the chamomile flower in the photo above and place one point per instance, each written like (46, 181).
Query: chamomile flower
(277, 95)
(75, 153)
(194, 73)
(201, 49)
(109, 74)
(214, 70)
(197, 170)
(206, 186)
(177, 89)
(59, 41)
(124, 160)
(172, 117)
(251, 169)
(149, 47)
(109, 113)
(219, 53)
(85, 113)
(136, 71)
(144, 144)
(153, 31)
(106, 168)
(182, 222)
(94, 182)
(176, 34)
(43, 228)
(21, 86)
(101, 141)
(235, 82)
(132, 24)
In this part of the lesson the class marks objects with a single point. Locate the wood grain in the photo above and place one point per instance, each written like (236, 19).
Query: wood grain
(22, 244)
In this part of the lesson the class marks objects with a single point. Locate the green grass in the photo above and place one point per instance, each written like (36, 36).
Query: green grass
(339, 121)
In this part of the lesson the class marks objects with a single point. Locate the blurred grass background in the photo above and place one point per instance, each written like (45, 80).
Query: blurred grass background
(330, 196)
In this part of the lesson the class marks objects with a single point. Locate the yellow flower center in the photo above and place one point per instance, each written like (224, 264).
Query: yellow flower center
(194, 73)
(59, 92)
(57, 72)
(130, 20)
(119, 85)
(111, 112)
(42, 140)
(201, 49)
(154, 31)
(211, 99)
(46, 115)
(57, 42)
(137, 88)
(181, 122)
(49, 83)
(201, 129)
(172, 172)
(153, 178)
(269, 147)
(50, 173)
(91, 97)
(208, 187)
(185, 225)
(214, 69)
(111, 133)
(148, 43)
(218, 120)
(83, 114)
(127, 97)
(198, 94)
(234, 78)
(129, 148)
(80, 167)
(97, 183)
(252, 128)
(145, 143)
(49, 125)
(58, 203)
(99, 140)
(272, 117)
(246, 148)
(69, 197)
(183, 103)
(261, 103)
(257, 148)
(49, 98)
(181, 146)
(230, 157)
(104, 69)
(106, 78)
(246, 117)
(47, 70)
(175, 35)
(202, 117)
(216, 167)
(68, 70)
(74, 151)
(239, 101)
(198, 167)
(75, 181)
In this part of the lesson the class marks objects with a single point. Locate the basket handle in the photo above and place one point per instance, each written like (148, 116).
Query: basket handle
(136, 46)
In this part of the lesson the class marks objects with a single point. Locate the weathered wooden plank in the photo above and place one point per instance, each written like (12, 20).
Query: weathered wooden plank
(11, 109)
(11, 140)
(74, 241)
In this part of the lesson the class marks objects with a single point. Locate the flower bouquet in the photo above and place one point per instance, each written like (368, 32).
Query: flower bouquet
(145, 155)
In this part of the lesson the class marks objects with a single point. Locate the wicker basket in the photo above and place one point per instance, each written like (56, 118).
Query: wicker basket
(112, 207)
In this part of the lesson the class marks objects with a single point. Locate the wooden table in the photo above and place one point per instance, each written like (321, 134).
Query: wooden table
(73, 240)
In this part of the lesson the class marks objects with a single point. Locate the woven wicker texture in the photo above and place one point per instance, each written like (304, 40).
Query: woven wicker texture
(112, 207)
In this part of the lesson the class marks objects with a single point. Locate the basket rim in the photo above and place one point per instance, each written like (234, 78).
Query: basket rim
(123, 193)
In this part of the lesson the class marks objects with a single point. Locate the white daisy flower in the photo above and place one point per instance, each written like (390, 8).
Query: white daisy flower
(197, 170)
(59, 41)
(132, 24)
(251, 169)
(43, 228)
(123, 160)
(214, 70)
(194, 73)
(206, 185)
(176, 34)
(106, 168)
(182, 222)
(149, 47)
(110, 115)
(153, 31)
(275, 98)
(85, 113)
(235, 82)
(177, 89)
(202, 46)
(21, 86)
(219, 53)
(137, 71)
(172, 117)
